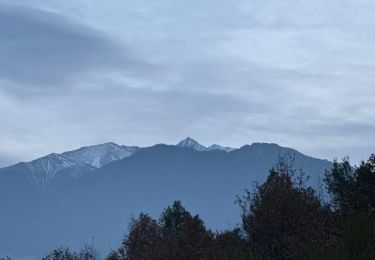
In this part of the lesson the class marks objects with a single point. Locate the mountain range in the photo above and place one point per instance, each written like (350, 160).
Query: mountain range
(90, 193)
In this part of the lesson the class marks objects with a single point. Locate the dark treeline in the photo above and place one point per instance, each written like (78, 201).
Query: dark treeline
(282, 218)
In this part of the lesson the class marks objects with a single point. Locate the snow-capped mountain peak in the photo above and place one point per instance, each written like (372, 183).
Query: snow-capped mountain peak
(221, 148)
(101, 154)
(43, 170)
(72, 164)
(51, 162)
(191, 143)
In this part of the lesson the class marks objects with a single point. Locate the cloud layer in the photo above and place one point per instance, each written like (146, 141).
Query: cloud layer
(42, 49)
(81, 72)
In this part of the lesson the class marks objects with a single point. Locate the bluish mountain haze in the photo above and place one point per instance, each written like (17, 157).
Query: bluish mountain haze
(70, 198)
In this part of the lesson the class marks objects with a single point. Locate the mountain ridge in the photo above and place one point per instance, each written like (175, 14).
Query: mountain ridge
(99, 201)
(83, 160)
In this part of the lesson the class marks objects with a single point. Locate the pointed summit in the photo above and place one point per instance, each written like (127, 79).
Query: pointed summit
(191, 143)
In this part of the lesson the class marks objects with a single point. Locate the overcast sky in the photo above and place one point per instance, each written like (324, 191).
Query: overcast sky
(80, 72)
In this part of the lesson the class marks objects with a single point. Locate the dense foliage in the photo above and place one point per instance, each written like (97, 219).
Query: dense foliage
(283, 219)
(64, 253)
(178, 235)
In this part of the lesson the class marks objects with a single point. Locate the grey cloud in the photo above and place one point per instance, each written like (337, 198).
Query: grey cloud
(41, 49)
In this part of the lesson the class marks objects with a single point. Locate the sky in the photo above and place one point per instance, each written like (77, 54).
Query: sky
(232, 72)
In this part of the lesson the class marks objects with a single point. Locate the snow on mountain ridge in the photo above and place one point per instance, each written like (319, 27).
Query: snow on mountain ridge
(191, 143)
(102, 154)
(221, 148)
(78, 162)
(44, 169)
(72, 164)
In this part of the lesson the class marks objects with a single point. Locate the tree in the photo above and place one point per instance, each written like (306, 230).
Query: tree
(352, 189)
(61, 253)
(230, 244)
(193, 241)
(184, 235)
(88, 252)
(64, 253)
(172, 219)
(143, 240)
(177, 235)
(281, 218)
(116, 255)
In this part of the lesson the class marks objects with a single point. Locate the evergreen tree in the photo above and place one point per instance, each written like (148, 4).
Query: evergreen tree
(184, 235)
(173, 219)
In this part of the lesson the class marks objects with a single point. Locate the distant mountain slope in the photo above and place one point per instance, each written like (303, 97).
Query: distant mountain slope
(42, 171)
(73, 164)
(71, 211)
(219, 147)
(100, 155)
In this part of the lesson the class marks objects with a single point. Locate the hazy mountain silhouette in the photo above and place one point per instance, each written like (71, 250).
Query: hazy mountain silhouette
(70, 209)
